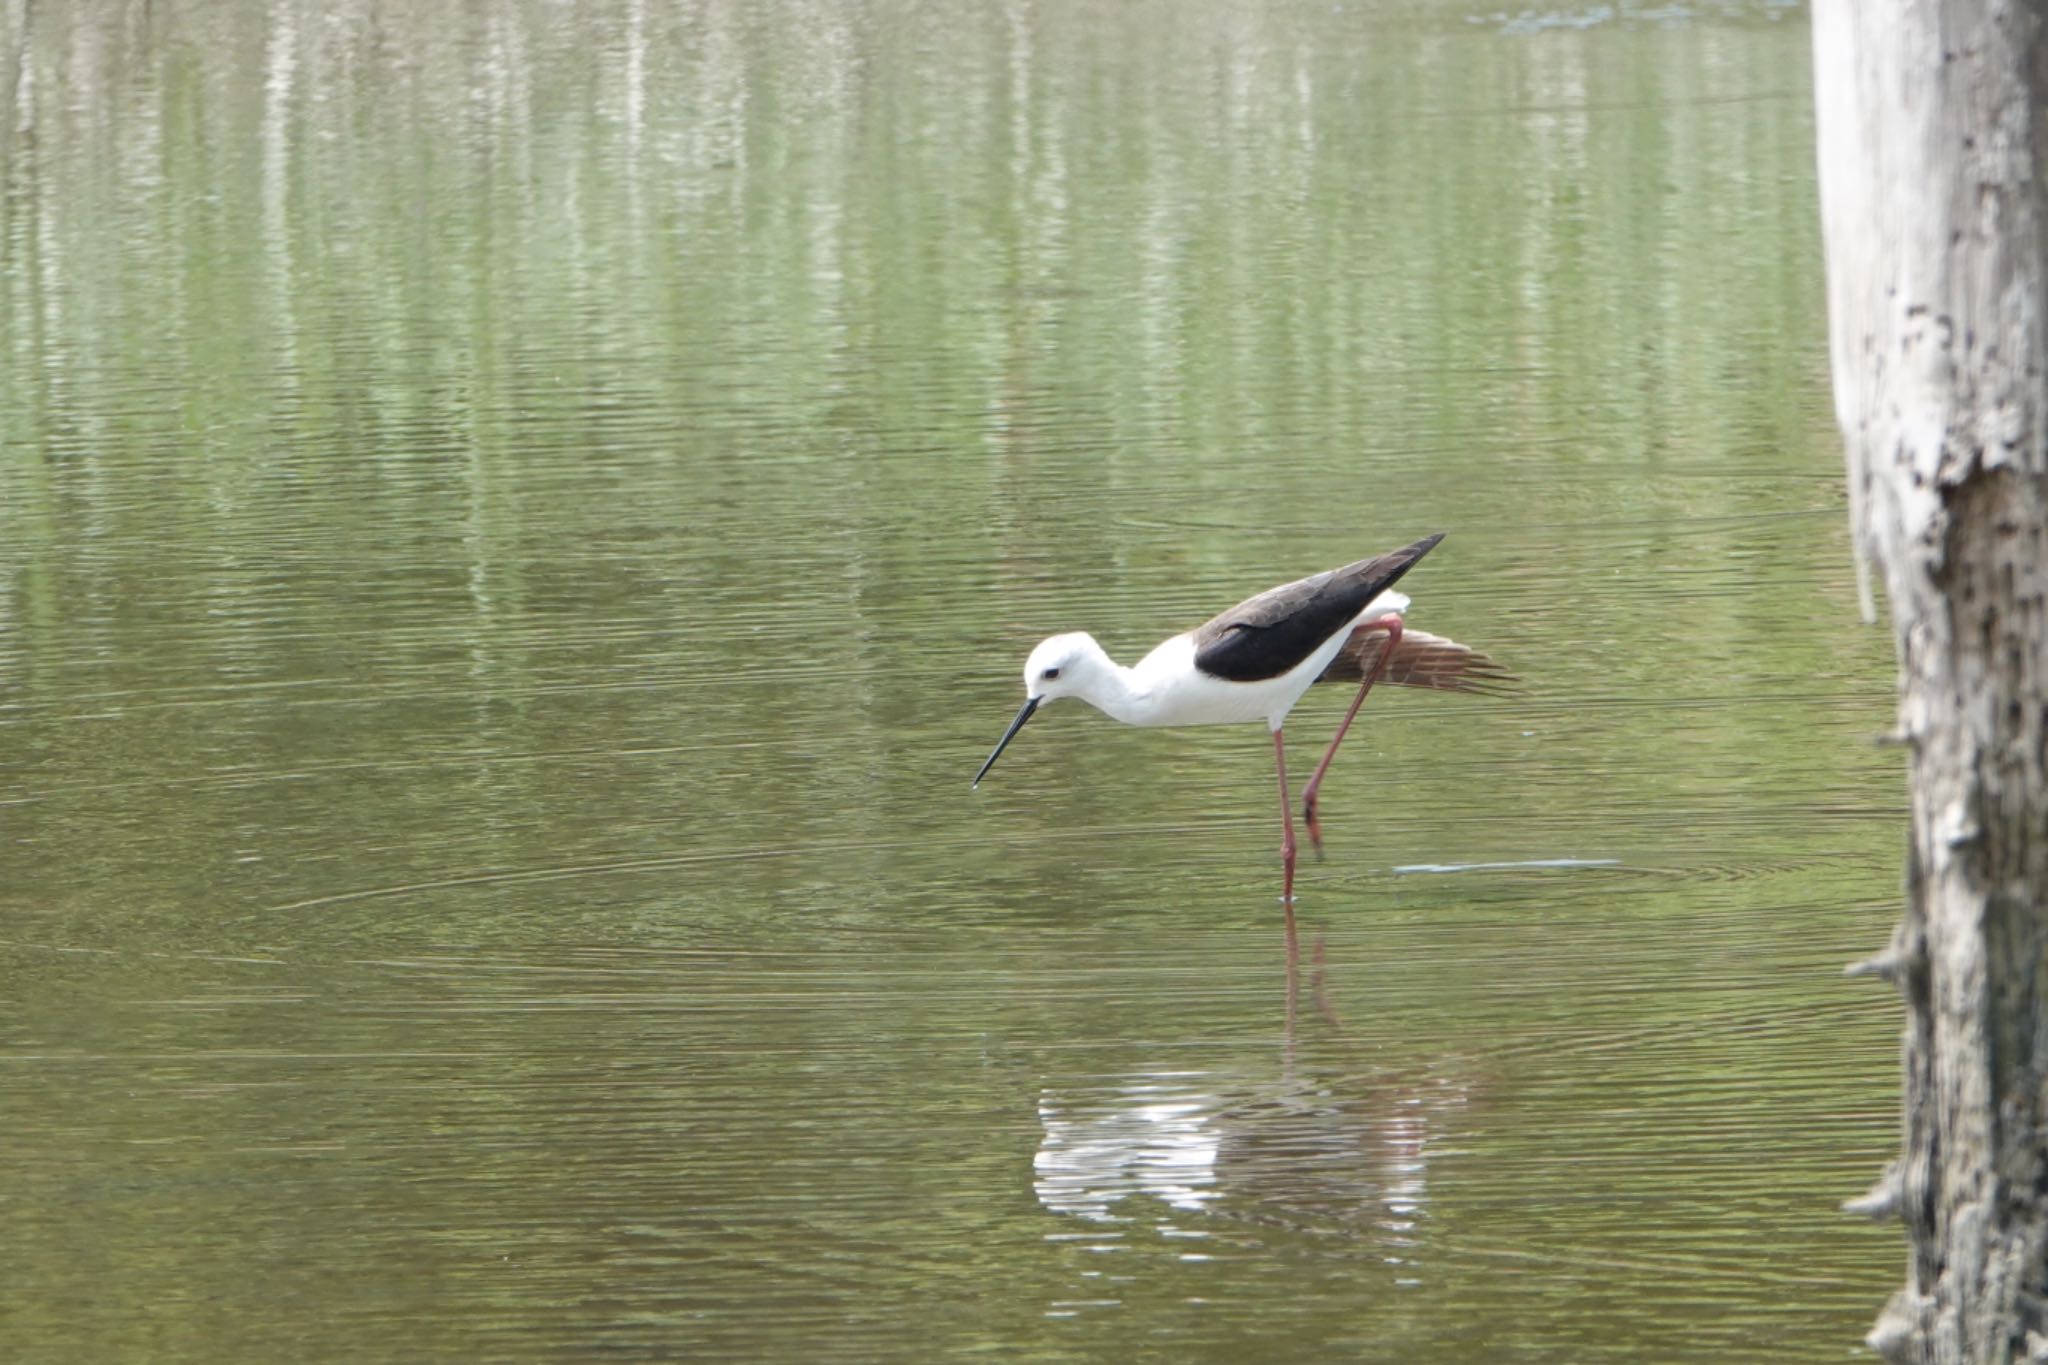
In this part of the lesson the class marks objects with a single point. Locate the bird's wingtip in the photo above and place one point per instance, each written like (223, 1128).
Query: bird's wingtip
(1408, 554)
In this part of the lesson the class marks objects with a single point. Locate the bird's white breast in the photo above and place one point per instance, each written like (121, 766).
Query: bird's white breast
(1167, 688)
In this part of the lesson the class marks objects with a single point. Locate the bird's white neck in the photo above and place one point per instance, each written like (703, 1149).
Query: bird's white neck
(1111, 688)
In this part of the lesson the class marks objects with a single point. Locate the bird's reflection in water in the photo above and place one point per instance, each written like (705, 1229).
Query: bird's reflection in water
(1156, 1134)
(1344, 1146)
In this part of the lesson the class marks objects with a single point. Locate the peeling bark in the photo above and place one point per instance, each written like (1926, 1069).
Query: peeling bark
(1934, 209)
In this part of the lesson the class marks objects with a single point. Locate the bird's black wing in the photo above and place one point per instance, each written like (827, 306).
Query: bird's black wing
(1265, 636)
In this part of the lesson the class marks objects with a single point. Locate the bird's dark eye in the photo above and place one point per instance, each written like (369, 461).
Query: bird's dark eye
(1050, 674)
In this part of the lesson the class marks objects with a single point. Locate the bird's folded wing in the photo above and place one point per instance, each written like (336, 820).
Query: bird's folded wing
(1421, 660)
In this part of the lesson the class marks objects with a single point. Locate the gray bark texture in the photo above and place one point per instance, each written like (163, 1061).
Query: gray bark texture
(1931, 140)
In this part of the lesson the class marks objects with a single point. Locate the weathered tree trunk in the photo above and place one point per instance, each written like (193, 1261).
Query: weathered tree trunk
(1932, 203)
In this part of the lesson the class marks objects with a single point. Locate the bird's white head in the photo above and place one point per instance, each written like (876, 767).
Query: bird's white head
(1064, 666)
(1070, 665)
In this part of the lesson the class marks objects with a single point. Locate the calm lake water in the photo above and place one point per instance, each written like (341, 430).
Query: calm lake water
(518, 522)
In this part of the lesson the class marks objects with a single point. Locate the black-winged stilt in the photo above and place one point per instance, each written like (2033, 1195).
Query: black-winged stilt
(1254, 661)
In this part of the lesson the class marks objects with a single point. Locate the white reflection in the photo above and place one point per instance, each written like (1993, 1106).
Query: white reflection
(1357, 1149)
(1150, 1137)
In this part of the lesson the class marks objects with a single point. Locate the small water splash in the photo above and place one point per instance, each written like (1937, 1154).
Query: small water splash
(1513, 866)
(1527, 22)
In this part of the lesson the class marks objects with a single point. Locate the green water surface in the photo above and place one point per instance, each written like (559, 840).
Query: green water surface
(518, 521)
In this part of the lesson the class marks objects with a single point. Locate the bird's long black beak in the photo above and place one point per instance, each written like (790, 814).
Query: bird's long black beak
(1030, 705)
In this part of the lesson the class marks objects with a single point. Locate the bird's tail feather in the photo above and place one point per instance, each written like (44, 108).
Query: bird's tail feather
(1421, 660)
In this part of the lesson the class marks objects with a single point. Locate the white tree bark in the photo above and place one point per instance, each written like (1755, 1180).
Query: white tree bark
(1931, 144)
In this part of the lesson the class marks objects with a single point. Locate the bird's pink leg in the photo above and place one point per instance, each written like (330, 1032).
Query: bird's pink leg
(1392, 626)
(1287, 828)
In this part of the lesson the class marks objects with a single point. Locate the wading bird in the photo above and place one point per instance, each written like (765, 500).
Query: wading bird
(1254, 661)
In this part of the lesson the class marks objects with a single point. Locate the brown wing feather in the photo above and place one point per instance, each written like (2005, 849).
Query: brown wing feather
(1423, 660)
